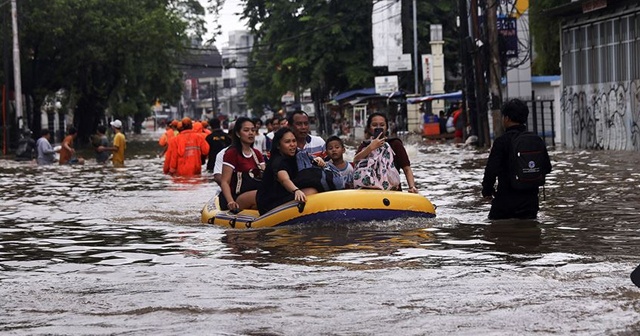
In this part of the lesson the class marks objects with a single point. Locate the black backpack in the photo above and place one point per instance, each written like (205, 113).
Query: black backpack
(528, 161)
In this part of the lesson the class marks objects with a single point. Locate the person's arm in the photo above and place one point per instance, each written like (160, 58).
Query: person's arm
(408, 173)
(493, 168)
(401, 159)
(225, 185)
(285, 180)
(374, 144)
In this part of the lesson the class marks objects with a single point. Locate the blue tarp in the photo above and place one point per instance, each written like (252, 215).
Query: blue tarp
(354, 93)
(445, 96)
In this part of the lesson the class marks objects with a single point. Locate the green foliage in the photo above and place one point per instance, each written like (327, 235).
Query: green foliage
(106, 53)
(327, 45)
(322, 45)
(546, 37)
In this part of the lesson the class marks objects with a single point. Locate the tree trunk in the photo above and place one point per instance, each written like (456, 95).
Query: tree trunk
(86, 117)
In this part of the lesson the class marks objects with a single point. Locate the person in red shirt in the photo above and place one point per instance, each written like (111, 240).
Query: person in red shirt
(187, 151)
(458, 123)
(241, 157)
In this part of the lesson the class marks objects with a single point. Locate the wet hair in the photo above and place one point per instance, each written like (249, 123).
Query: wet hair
(237, 127)
(275, 143)
(214, 123)
(102, 129)
(377, 114)
(335, 138)
(290, 118)
(516, 110)
(44, 132)
(72, 130)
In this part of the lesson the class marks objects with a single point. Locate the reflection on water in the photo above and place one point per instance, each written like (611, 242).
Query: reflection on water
(101, 250)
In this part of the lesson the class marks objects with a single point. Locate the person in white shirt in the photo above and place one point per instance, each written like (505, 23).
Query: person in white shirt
(299, 122)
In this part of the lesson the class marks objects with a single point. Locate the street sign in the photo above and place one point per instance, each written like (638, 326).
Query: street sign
(386, 84)
(399, 63)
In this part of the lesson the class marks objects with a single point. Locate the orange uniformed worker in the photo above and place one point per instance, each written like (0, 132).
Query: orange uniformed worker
(188, 149)
(168, 134)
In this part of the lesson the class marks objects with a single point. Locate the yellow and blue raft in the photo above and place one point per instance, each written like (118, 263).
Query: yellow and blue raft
(342, 206)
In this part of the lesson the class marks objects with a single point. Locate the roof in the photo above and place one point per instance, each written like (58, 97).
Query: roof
(545, 79)
(577, 7)
(444, 96)
(354, 93)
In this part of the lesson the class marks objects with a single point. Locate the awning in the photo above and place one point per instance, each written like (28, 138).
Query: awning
(354, 93)
(444, 96)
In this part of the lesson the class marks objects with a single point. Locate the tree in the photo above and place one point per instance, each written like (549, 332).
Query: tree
(546, 37)
(322, 45)
(327, 45)
(105, 54)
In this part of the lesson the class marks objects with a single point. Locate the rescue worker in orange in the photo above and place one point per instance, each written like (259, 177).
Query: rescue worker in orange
(170, 132)
(186, 156)
(205, 127)
(171, 147)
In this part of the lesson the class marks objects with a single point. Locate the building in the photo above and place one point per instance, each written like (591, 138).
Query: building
(600, 48)
(235, 60)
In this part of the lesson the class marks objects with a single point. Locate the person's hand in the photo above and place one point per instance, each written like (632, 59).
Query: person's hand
(487, 198)
(300, 196)
(319, 162)
(232, 205)
(377, 142)
(413, 190)
(100, 149)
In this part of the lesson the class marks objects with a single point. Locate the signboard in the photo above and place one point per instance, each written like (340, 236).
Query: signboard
(386, 84)
(508, 34)
(427, 67)
(386, 31)
(288, 97)
(593, 5)
(400, 63)
(309, 109)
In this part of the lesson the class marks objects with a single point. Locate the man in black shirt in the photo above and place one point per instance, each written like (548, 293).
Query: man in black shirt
(217, 140)
(508, 202)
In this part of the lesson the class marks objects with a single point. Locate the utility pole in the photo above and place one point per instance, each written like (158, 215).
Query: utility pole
(16, 64)
(469, 108)
(495, 72)
(415, 49)
(484, 139)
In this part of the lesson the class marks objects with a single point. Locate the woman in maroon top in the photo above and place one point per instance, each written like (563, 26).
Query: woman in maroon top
(241, 157)
(400, 160)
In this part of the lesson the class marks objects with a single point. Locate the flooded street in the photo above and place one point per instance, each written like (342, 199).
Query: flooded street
(101, 250)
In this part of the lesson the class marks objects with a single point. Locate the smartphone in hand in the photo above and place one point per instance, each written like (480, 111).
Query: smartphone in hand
(377, 132)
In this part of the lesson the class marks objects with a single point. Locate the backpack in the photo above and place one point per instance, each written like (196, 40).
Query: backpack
(312, 176)
(528, 161)
(377, 171)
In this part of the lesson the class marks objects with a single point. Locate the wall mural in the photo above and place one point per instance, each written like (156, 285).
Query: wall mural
(602, 116)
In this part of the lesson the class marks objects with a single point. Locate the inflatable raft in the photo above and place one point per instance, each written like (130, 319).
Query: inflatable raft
(342, 206)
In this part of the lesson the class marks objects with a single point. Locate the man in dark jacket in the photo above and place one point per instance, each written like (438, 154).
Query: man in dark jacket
(508, 202)
(217, 140)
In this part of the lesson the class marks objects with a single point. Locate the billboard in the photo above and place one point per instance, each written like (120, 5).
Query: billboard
(386, 31)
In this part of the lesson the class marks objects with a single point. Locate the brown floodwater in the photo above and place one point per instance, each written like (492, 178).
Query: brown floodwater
(101, 251)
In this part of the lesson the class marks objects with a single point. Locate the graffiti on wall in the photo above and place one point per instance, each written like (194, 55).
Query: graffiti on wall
(602, 116)
(635, 115)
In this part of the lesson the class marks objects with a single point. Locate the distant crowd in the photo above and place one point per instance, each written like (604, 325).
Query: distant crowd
(45, 154)
(262, 170)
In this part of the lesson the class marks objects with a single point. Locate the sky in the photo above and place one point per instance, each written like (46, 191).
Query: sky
(229, 19)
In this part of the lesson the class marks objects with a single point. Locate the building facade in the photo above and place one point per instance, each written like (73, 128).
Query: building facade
(235, 60)
(600, 48)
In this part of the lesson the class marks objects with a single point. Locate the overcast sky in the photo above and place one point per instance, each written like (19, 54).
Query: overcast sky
(229, 19)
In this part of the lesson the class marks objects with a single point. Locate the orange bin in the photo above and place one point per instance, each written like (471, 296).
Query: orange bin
(431, 129)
